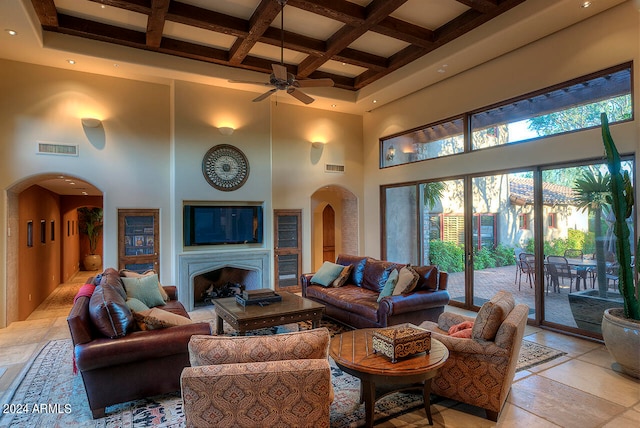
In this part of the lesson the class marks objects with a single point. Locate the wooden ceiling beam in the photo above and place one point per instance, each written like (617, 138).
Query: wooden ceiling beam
(483, 6)
(443, 35)
(376, 12)
(401, 30)
(155, 23)
(186, 14)
(139, 6)
(337, 10)
(47, 12)
(260, 21)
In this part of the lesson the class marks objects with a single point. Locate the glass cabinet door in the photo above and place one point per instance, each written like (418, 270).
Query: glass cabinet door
(288, 250)
(138, 240)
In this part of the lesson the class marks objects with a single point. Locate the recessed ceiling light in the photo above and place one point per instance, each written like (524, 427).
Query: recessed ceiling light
(585, 4)
(375, 101)
(11, 32)
(334, 105)
(71, 61)
(116, 65)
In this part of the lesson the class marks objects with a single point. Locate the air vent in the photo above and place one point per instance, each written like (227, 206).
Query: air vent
(334, 168)
(57, 149)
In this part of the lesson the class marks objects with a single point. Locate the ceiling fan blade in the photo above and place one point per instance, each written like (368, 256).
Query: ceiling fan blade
(301, 96)
(265, 95)
(314, 83)
(280, 71)
(250, 82)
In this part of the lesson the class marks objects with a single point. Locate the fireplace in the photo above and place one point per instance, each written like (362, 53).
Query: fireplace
(201, 270)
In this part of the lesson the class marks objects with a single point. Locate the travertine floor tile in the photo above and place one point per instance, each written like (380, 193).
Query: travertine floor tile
(16, 354)
(629, 419)
(571, 345)
(597, 381)
(561, 404)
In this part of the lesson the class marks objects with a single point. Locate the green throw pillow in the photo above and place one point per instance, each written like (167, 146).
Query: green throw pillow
(136, 305)
(327, 273)
(145, 289)
(389, 285)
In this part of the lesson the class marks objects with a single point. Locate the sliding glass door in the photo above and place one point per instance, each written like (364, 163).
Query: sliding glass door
(580, 263)
(502, 232)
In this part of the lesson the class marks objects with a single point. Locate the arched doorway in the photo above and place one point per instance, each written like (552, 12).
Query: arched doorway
(43, 243)
(328, 234)
(334, 224)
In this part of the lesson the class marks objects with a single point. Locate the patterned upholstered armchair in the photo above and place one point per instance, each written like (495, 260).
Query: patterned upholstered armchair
(483, 357)
(279, 380)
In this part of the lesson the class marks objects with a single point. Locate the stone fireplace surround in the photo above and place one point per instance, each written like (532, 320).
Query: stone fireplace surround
(192, 264)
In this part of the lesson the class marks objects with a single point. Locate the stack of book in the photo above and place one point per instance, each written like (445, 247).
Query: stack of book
(262, 296)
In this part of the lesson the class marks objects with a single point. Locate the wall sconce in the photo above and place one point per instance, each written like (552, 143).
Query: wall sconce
(91, 122)
(391, 153)
(317, 145)
(226, 130)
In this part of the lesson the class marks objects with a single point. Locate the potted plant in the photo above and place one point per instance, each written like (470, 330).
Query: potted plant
(90, 223)
(621, 327)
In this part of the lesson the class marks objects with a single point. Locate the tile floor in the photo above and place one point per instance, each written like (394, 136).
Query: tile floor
(578, 390)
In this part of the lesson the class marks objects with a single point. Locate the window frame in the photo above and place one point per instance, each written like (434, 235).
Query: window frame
(467, 118)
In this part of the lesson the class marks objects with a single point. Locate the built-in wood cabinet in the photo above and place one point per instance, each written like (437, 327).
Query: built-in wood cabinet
(288, 249)
(139, 239)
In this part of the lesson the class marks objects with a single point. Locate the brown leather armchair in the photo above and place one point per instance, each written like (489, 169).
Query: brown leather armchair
(135, 365)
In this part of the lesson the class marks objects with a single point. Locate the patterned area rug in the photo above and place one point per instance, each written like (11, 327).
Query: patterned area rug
(50, 395)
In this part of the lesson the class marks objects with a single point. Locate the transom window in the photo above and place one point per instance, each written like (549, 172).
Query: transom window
(567, 107)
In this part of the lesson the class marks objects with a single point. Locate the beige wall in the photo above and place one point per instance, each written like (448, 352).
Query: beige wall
(298, 168)
(38, 261)
(148, 154)
(606, 40)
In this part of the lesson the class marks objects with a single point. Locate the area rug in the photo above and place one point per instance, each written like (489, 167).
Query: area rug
(50, 395)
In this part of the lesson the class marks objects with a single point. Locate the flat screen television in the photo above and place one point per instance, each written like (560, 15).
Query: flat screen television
(218, 225)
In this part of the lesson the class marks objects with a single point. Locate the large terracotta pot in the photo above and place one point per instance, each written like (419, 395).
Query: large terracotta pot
(622, 337)
(92, 261)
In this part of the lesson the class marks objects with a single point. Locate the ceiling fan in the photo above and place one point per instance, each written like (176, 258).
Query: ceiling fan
(282, 80)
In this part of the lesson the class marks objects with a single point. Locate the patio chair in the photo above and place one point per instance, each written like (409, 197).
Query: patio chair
(525, 265)
(612, 275)
(582, 272)
(557, 268)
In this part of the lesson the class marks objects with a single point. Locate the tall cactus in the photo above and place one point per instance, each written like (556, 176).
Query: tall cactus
(622, 198)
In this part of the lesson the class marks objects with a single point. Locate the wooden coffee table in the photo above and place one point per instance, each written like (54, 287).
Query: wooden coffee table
(353, 353)
(292, 308)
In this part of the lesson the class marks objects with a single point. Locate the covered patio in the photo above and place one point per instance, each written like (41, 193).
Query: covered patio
(491, 280)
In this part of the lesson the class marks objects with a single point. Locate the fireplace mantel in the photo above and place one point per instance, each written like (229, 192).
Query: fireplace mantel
(192, 264)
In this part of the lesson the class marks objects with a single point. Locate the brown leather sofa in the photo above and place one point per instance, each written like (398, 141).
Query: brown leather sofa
(127, 364)
(355, 303)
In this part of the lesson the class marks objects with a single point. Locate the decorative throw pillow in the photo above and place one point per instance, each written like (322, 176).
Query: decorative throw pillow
(156, 318)
(145, 289)
(109, 313)
(387, 290)
(327, 273)
(342, 278)
(463, 334)
(132, 274)
(136, 305)
(407, 281)
(492, 314)
(456, 328)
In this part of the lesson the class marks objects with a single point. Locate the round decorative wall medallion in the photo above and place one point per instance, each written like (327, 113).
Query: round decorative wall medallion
(225, 167)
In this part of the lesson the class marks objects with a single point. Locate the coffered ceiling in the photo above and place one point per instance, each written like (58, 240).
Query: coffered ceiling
(375, 51)
(354, 43)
